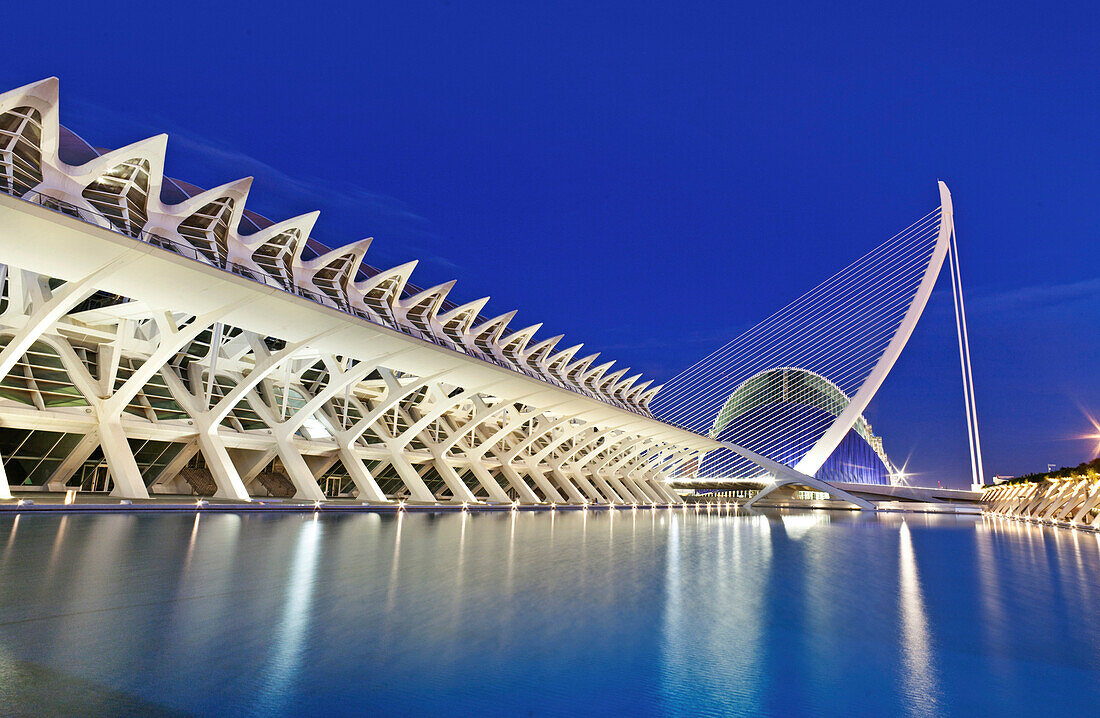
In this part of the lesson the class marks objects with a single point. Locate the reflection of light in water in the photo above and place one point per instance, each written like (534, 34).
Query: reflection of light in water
(391, 591)
(459, 593)
(462, 534)
(511, 568)
(553, 515)
(191, 543)
(797, 525)
(11, 537)
(610, 529)
(55, 551)
(286, 655)
(992, 602)
(917, 673)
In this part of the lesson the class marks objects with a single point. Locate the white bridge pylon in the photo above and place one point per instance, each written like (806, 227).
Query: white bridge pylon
(836, 344)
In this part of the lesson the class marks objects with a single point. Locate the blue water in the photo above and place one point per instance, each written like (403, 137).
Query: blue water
(645, 613)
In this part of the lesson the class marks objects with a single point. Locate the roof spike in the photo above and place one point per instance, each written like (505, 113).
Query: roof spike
(469, 311)
(622, 388)
(494, 327)
(44, 91)
(432, 297)
(564, 355)
(595, 373)
(152, 149)
(607, 380)
(578, 367)
(402, 270)
(440, 289)
(545, 346)
(236, 190)
(354, 249)
(303, 223)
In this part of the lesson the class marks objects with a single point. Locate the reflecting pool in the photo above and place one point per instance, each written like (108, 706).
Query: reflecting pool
(643, 612)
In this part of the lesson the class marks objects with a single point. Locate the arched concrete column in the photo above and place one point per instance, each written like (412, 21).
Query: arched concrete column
(396, 392)
(44, 311)
(475, 456)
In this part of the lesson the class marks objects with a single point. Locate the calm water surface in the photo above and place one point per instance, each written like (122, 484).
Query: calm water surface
(642, 613)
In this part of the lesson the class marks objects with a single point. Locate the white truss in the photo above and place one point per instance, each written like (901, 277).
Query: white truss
(254, 364)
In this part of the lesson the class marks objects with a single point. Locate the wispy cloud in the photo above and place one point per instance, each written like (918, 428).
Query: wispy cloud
(1037, 296)
(278, 188)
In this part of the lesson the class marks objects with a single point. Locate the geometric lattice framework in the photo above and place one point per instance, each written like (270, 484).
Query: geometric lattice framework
(794, 386)
(156, 337)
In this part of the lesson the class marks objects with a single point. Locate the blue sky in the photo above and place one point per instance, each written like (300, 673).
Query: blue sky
(653, 178)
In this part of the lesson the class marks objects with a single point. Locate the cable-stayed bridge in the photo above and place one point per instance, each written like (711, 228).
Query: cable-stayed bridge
(786, 399)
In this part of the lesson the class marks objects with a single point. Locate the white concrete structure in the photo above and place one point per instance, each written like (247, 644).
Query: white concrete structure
(156, 338)
(793, 388)
(156, 347)
(1073, 501)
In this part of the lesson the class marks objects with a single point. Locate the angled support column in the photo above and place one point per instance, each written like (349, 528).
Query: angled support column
(172, 469)
(71, 463)
(214, 452)
(493, 487)
(230, 484)
(418, 490)
(296, 466)
(558, 465)
(454, 482)
(251, 462)
(630, 494)
(482, 412)
(44, 314)
(369, 491)
(526, 494)
(570, 488)
(220, 465)
(589, 488)
(532, 462)
(613, 496)
(1091, 502)
(1064, 508)
(661, 488)
(650, 495)
(346, 440)
(550, 490)
(459, 490)
(475, 456)
(125, 474)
